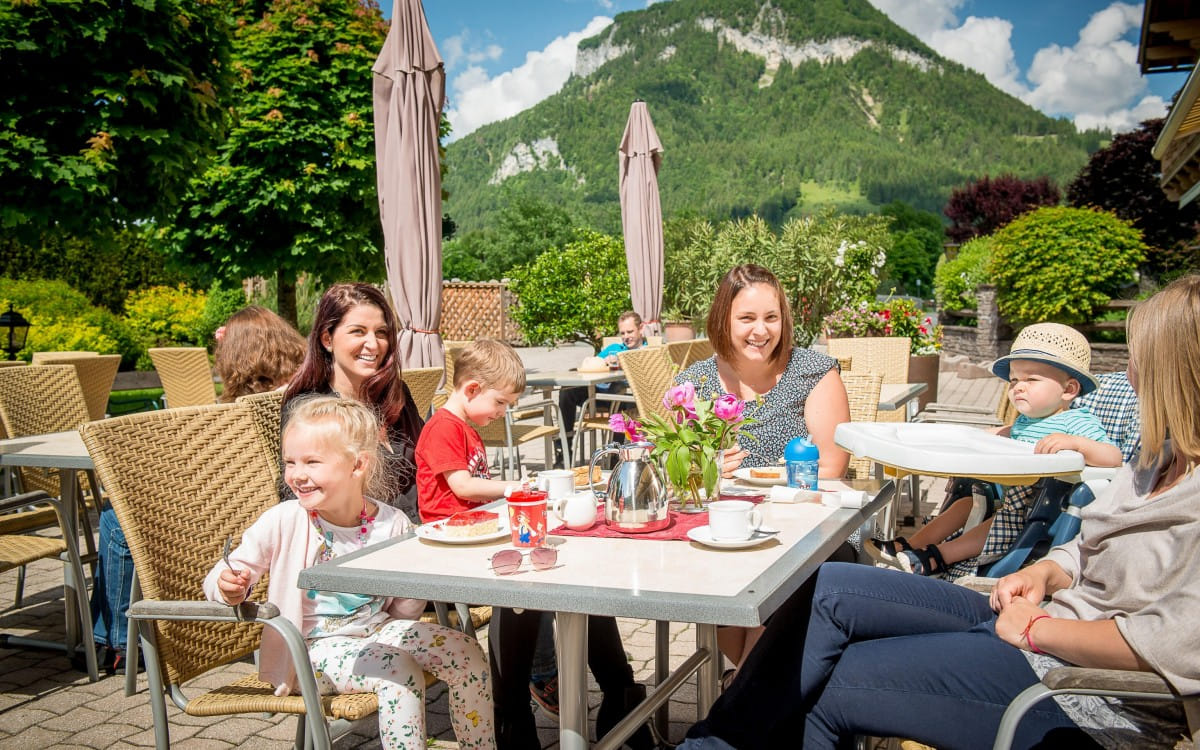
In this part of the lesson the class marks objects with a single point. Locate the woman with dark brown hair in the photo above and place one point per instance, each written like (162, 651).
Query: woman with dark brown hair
(257, 351)
(351, 353)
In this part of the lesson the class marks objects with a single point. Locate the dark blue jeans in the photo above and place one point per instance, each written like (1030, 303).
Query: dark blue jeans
(867, 651)
(114, 578)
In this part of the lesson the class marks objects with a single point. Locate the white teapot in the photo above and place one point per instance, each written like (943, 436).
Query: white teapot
(576, 511)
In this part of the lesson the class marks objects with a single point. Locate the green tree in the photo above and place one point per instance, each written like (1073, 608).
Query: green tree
(572, 294)
(108, 109)
(293, 188)
(955, 280)
(1063, 264)
(525, 228)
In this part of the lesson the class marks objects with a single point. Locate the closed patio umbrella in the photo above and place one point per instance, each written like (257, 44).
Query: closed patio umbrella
(410, 91)
(639, 157)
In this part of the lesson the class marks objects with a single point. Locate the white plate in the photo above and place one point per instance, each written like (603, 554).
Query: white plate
(744, 475)
(701, 535)
(434, 533)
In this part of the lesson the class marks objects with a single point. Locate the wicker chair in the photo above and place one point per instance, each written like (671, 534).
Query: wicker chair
(684, 353)
(11, 362)
(650, 373)
(36, 401)
(186, 375)
(422, 383)
(862, 390)
(886, 355)
(96, 374)
(40, 358)
(265, 409)
(181, 481)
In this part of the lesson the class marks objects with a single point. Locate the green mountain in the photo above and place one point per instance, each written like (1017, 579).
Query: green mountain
(772, 107)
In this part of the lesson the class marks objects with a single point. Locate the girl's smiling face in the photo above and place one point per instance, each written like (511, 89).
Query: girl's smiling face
(325, 476)
(756, 323)
(358, 345)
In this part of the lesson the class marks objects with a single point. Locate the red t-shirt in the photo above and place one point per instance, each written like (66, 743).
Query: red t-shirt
(447, 443)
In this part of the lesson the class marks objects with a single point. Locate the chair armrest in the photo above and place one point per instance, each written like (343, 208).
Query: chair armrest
(624, 398)
(1068, 678)
(16, 502)
(964, 408)
(205, 611)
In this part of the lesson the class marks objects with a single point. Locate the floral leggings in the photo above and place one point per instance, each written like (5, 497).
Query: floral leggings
(389, 663)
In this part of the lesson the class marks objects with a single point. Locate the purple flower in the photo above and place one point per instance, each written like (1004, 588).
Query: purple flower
(682, 396)
(729, 408)
(618, 422)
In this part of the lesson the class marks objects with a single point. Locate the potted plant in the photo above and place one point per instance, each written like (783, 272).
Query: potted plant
(896, 317)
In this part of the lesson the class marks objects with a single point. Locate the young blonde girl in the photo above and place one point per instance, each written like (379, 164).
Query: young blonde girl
(356, 643)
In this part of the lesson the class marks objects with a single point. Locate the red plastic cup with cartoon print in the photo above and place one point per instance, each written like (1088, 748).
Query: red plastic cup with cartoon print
(527, 518)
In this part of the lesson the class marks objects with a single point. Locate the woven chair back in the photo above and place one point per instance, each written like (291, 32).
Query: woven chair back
(186, 375)
(41, 358)
(844, 363)
(862, 391)
(38, 400)
(686, 352)
(885, 355)
(181, 481)
(650, 373)
(96, 375)
(422, 382)
(265, 410)
(11, 362)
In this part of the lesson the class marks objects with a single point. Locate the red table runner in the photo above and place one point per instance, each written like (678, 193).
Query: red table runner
(677, 530)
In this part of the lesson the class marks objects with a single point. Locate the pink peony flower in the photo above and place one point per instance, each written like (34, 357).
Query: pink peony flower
(682, 396)
(618, 422)
(729, 408)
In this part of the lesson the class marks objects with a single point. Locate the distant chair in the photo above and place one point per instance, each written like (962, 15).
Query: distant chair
(186, 375)
(862, 391)
(685, 353)
(422, 383)
(885, 355)
(96, 375)
(650, 373)
(39, 358)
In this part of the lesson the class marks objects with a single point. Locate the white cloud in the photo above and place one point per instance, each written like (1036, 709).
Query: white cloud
(460, 48)
(477, 99)
(1096, 82)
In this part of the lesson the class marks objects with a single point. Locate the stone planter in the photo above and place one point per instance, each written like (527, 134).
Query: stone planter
(923, 368)
(678, 330)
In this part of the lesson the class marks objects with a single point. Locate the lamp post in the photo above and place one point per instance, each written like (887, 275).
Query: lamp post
(13, 328)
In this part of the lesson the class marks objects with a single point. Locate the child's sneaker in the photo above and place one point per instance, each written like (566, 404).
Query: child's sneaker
(545, 694)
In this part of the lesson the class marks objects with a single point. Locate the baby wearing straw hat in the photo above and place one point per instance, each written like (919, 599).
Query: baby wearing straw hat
(1046, 369)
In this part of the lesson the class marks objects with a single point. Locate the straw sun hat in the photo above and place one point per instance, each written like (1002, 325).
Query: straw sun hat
(1055, 344)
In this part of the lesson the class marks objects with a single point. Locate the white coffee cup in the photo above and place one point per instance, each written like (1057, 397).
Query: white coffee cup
(733, 520)
(556, 483)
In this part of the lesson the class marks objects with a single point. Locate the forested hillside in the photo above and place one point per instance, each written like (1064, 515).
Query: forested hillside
(769, 107)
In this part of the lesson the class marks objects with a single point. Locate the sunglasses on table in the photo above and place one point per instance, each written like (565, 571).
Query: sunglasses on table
(508, 561)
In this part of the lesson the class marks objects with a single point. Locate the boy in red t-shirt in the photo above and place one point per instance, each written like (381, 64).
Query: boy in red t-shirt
(452, 466)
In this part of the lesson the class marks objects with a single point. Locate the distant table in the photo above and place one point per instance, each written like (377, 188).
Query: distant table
(657, 580)
(65, 452)
(572, 379)
(895, 395)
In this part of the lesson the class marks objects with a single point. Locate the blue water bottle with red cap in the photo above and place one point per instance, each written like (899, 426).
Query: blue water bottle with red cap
(802, 458)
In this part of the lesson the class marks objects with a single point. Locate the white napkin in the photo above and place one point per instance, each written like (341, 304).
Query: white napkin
(844, 499)
(781, 494)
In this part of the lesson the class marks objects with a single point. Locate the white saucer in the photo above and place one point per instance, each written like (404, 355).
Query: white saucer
(701, 535)
(434, 533)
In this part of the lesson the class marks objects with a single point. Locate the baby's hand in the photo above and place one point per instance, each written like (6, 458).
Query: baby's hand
(234, 586)
(1056, 442)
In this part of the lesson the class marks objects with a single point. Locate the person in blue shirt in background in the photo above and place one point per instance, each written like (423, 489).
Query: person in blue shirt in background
(629, 327)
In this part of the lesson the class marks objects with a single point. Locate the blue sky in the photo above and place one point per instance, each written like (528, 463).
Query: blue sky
(1068, 58)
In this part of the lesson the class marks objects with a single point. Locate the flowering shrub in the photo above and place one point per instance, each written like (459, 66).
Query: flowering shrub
(897, 317)
(690, 441)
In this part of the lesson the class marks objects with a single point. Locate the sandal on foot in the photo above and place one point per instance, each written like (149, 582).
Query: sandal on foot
(923, 562)
(886, 551)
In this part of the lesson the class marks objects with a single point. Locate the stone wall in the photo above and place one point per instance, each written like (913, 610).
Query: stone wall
(993, 337)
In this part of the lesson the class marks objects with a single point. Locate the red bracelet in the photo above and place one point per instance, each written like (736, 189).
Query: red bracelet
(1027, 633)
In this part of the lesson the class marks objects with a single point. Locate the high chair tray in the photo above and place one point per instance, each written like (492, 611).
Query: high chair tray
(952, 450)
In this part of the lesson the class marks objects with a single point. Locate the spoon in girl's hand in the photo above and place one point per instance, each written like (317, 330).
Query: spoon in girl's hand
(225, 553)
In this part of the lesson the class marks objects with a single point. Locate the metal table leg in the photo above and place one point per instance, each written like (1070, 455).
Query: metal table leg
(571, 633)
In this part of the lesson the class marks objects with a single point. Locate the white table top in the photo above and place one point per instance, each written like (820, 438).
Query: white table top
(894, 395)
(662, 580)
(56, 450)
(569, 378)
